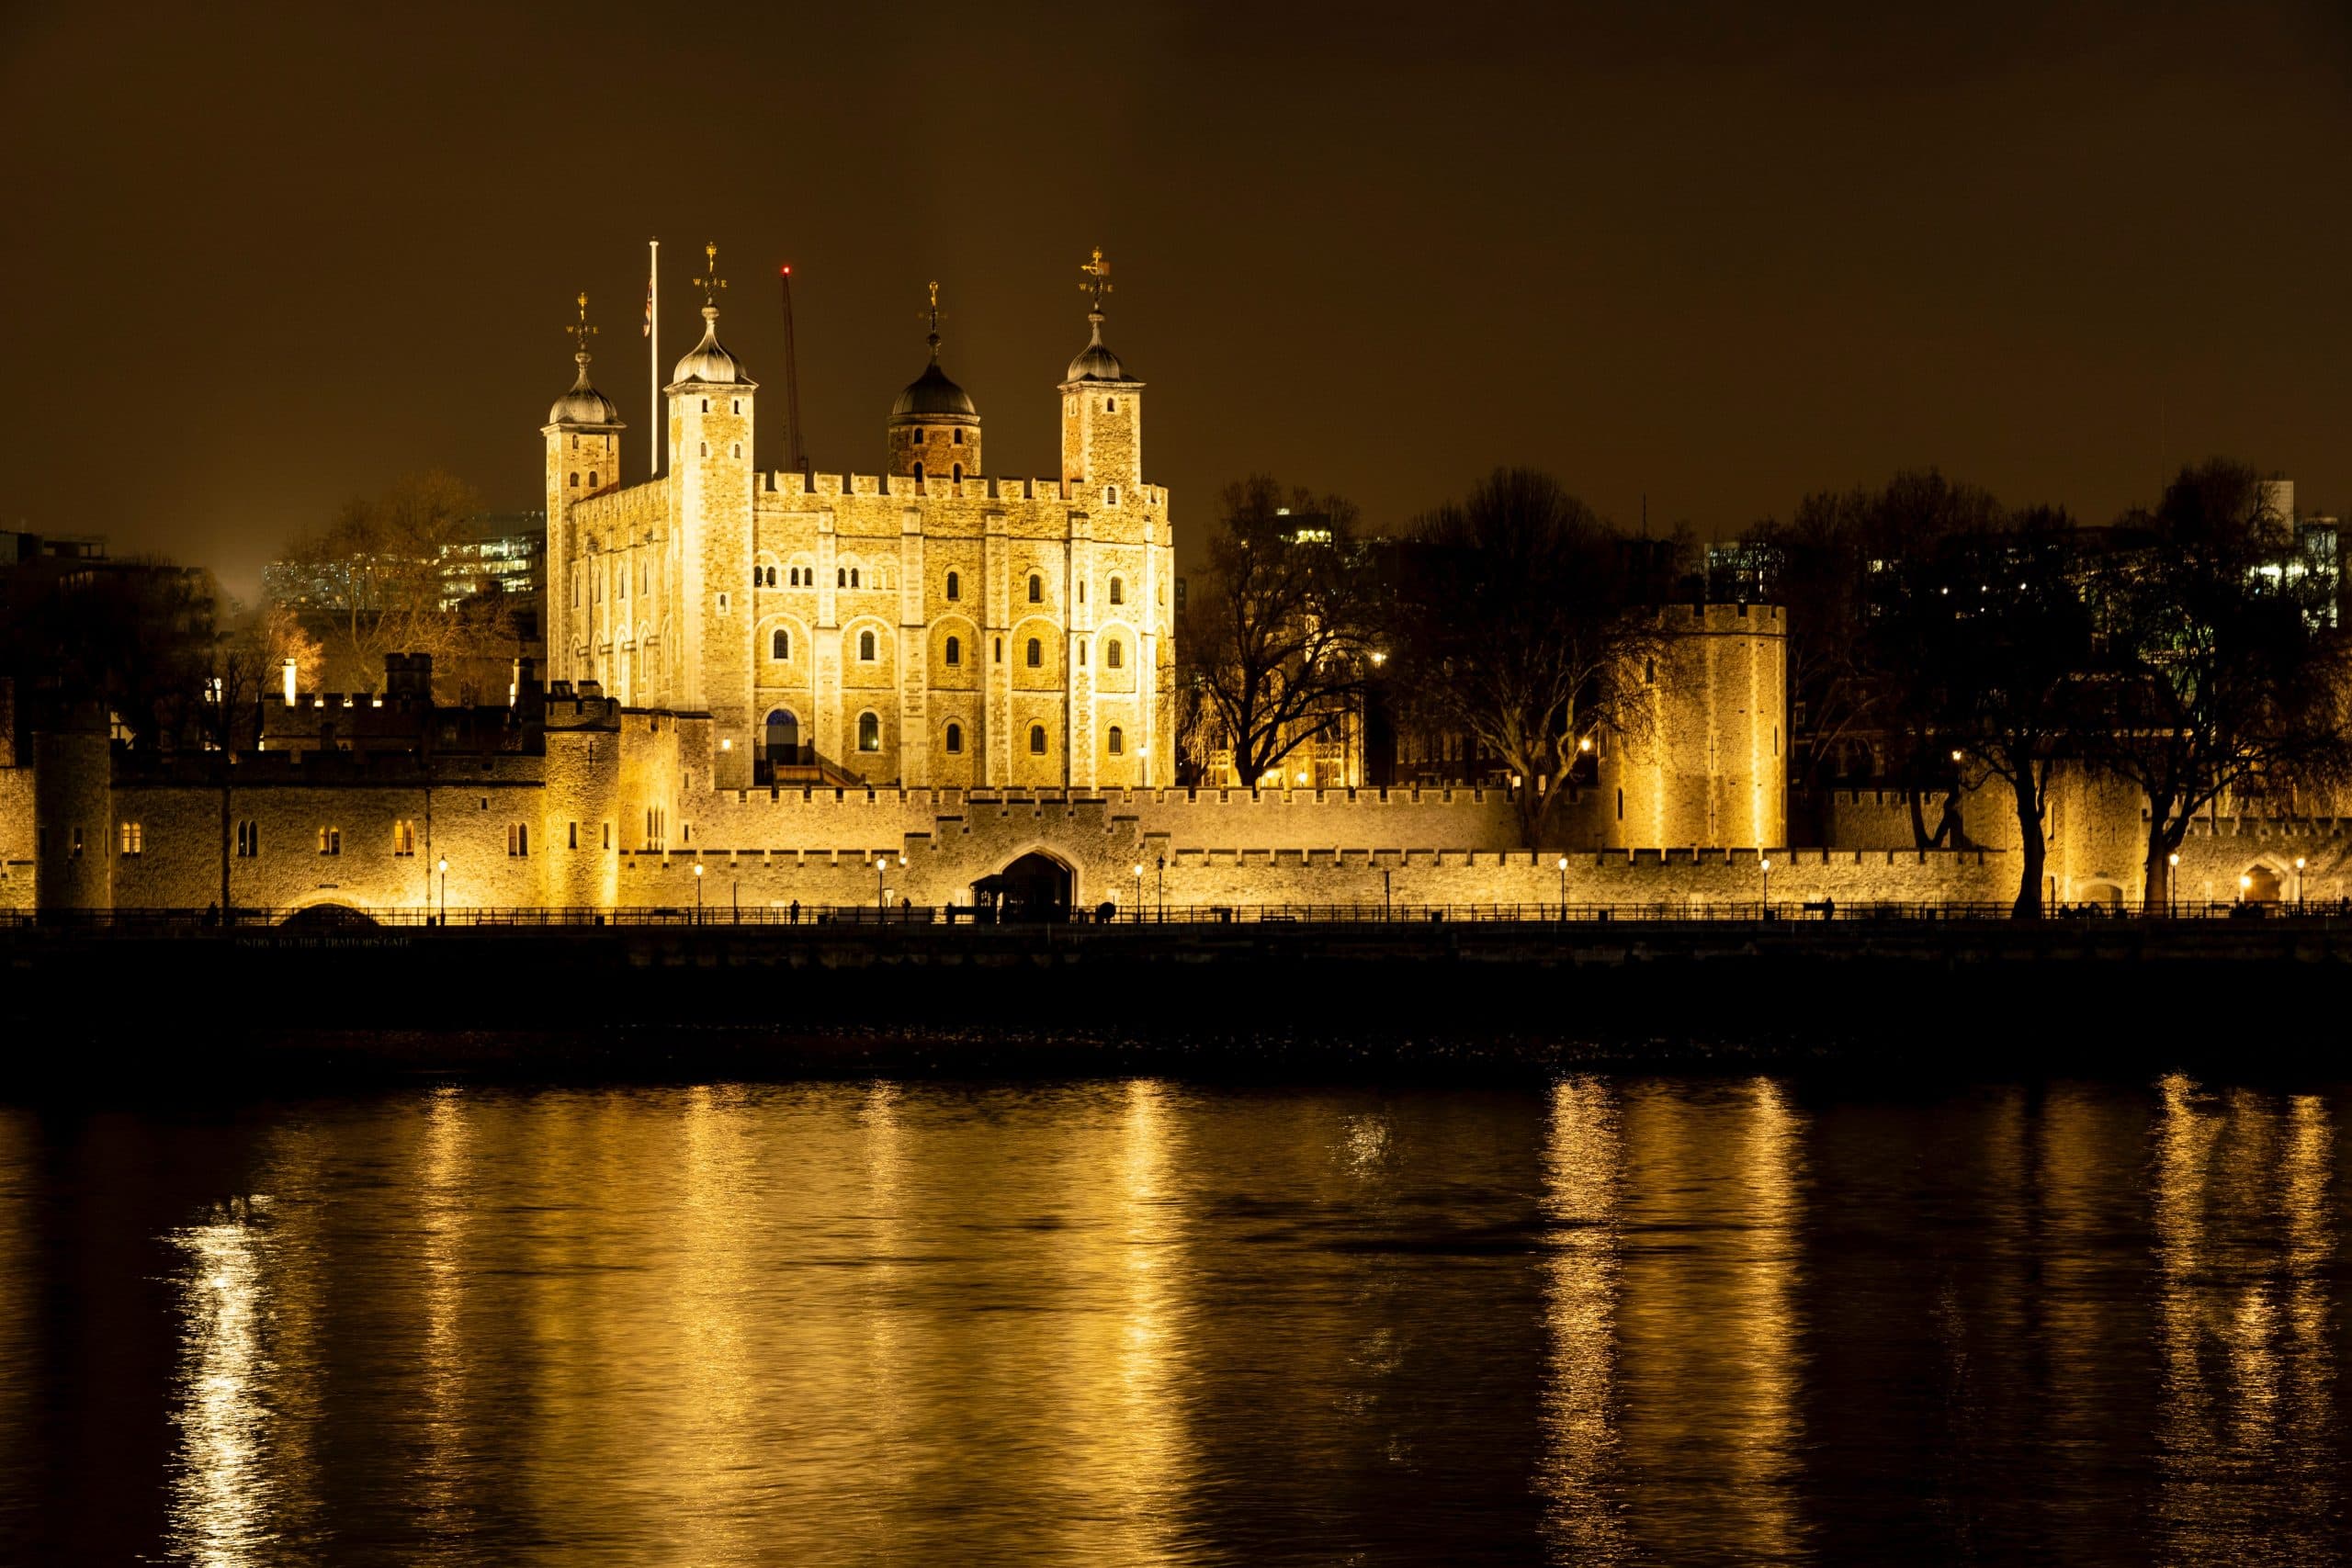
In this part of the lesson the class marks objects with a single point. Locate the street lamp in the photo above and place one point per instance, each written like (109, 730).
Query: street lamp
(1138, 892)
(2245, 885)
(1767, 887)
(2298, 885)
(1163, 890)
(2172, 885)
(697, 892)
(443, 869)
(1563, 888)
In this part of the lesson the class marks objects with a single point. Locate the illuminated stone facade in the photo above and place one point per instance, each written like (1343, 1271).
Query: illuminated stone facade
(927, 626)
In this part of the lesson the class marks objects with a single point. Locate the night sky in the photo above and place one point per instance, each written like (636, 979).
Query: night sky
(260, 262)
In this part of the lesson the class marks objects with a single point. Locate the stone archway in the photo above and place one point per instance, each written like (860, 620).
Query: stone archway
(2260, 885)
(1036, 885)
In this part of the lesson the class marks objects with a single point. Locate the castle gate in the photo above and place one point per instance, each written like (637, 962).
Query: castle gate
(1036, 886)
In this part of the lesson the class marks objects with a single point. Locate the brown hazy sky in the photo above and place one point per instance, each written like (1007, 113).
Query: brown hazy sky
(260, 259)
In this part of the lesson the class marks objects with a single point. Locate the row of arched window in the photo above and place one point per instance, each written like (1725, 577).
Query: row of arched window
(869, 650)
(783, 737)
(851, 576)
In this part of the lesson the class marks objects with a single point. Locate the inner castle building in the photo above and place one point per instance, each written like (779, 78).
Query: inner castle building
(927, 684)
(929, 625)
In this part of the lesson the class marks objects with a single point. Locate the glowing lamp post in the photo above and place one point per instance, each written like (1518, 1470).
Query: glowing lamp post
(2298, 885)
(1163, 890)
(1138, 892)
(697, 892)
(1563, 866)
(1767, 887)
(2172, 885)
(442, 867)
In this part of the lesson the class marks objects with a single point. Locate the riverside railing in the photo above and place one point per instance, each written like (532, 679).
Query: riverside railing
(328, 916)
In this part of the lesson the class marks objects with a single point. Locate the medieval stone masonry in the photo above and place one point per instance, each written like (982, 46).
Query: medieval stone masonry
(771, 688)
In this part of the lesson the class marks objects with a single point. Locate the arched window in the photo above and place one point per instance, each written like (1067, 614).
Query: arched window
(955, 586)
(865, 646)
(1118, 591)
(1118, 741)
(705, 448)
(771, 577)
(959, 436)
(853, 577)
(1036, 654)
(1036, 740)
(1111, 496)
(1113, 654)
(1000, 651)
(954, 474)
(1109, 405)
(591, 479)
(738, 405)
(738, 452)
(917, 473)
(954, 740)
(705, 405)
(1037, 588)
(780, 644)
(840, 577)
(1081, 653)
(869, 732)
(955, 650)
(575, 479)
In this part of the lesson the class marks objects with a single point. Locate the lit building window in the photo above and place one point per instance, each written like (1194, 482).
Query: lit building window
(403, 838)
(330, 840)
(248, 840)
(869, 732)
(518, 839)
(134, 838)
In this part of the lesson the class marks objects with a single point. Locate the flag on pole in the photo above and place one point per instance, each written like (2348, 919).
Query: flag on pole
(649, 305)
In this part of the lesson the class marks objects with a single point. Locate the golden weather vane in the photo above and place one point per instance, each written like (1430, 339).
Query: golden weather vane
(711, 285)
(582, 331)
(1097, 278)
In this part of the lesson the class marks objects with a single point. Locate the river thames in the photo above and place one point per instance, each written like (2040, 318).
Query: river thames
(1610, 1319)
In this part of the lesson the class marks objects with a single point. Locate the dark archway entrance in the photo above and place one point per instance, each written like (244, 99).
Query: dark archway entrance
(2261, 885)
(783, 737)
(1034, 888)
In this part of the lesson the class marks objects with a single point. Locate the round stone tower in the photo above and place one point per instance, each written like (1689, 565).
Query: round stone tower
(934, 431)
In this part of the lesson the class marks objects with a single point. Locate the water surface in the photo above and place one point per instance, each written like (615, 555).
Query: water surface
(1616, 1320)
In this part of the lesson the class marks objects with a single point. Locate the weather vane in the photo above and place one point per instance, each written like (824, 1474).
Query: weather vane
(711, 285)
(582, 331)
(1097, 278)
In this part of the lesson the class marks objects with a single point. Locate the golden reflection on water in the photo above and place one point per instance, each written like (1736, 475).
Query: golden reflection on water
(1577, 1476)
(2244, 1332)
(222, 1487)
(445, 1200)
(1709, 1320)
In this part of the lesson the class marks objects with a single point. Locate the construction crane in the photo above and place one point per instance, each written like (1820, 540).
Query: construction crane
(798, 459)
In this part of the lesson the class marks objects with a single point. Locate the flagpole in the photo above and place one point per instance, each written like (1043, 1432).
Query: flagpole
(653, 357)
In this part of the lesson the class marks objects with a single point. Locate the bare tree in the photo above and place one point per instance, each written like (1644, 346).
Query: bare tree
(384, 578)
(1272, 639)
(1987, 638)
(2224, 670)
(1517, 621)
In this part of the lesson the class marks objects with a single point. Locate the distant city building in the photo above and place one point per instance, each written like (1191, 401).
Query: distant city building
(503, 552)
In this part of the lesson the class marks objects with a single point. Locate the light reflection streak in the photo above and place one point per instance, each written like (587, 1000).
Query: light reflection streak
(1766, 1459)
(2184, 1141)
(1582, 1159)
(222, 1484)
(445, 1200)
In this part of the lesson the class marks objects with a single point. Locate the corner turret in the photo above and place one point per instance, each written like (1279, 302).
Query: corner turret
(934, 430)
(1102, 410)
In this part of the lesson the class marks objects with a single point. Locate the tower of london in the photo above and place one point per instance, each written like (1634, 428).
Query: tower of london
(929, 625)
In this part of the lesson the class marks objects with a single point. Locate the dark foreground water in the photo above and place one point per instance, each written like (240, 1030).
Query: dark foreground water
(1619, 1320)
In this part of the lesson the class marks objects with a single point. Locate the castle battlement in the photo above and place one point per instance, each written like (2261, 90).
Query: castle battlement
(788, 486)
(1724, 619)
